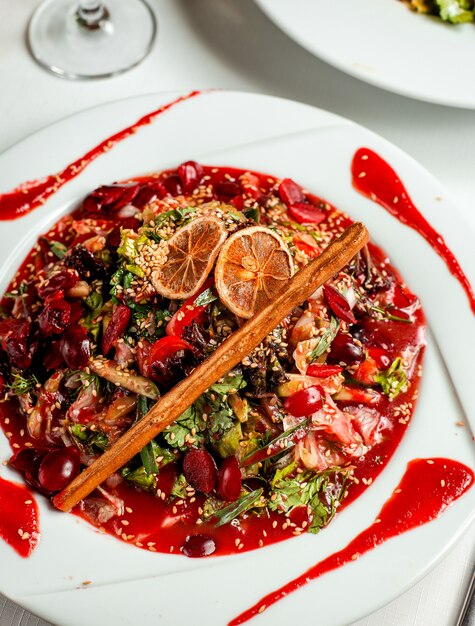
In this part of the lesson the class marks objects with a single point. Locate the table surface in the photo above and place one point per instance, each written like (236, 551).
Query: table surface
(200, 45)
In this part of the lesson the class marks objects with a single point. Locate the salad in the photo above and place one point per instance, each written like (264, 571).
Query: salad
(123, 298)
(453, 11)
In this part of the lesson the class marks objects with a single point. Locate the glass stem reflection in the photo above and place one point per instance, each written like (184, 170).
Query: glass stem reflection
(91, 14)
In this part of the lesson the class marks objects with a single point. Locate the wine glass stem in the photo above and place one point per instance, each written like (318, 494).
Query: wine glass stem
(91, 14)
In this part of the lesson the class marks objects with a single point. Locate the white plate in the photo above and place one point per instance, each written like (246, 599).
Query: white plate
(384, 43)
(314, 147)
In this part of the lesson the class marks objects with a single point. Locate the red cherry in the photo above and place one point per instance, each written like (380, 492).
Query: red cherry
(200, 470)
(229, 479)
(198, 546)
(343, 349)
(190, 174)
(75, 347)
(305, 402)
(58, 468)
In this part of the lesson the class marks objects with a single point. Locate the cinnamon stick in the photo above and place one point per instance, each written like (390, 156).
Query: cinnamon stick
(227, 355)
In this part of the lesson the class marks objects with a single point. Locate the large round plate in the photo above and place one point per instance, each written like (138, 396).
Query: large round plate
(384, 43)
(314, 147)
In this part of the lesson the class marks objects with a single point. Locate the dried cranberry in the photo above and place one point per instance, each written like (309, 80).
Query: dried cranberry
(54, 318)
(200, 470)
(52, 357)
(226, 189)
(198, 546)
(229, 479)
(28, 462)
(172, 184)
(190, 174)
(343, 349)
(58, 284)
(58, 468)
(16, 337)
(338, 304)
(290, 193)
(110, 198)
(75, 347)
(116, 327)
(85, 263)
(148, 193)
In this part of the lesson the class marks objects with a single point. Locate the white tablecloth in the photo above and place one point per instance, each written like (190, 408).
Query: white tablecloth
(231, 44)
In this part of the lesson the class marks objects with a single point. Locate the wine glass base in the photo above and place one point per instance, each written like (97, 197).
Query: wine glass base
(59, 42)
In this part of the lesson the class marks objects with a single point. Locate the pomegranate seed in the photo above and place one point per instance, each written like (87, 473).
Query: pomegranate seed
(55, 317)
(200, 470)
(290, 193)
(198, 546)
(116, 327)
(229, 479)
(190, 174)
(58, 468)
(344, 350)
(75, 347)
(338, 304)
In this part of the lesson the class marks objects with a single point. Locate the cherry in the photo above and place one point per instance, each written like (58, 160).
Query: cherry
(305, 402)
(55, 317)
(229, 479)
(200, 470)
(343, 349)
(58, 468)
(75, 347)
(190, 174)
(198, 546)
(226, 189)
(173, 185)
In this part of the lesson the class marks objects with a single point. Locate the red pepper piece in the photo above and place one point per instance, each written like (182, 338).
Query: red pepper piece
(306, 213)
(188, 313)
(116, 327)
(323, 370)
(338, 304)
(290, 193)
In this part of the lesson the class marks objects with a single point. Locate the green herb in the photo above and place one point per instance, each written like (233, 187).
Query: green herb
(230, 384)
(179, 487)
(322, 492)
(326, 339)
(19, 291)
(456, 11)
(228, 443)
(189, 422)
(139, 477)
(22, 384)
(388, 316)
(147, 454)
(57, 248)
(207, 296)
(253, 214)
(394, 380)
(248, 460)
(280, 474)
(179, 216)
(244, 503)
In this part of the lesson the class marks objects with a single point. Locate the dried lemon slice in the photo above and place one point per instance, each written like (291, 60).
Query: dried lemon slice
(252, 267)
(190, 257)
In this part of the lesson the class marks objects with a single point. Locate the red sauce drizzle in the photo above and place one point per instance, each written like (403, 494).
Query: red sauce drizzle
(377, 180)
(31, 194)
(427, 488)
(19, 524)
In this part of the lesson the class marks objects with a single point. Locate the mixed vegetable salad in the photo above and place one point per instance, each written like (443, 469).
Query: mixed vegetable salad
(453, 11)
(123, 298)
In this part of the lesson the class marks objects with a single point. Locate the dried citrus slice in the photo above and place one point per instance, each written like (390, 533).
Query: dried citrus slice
(190, 257)
(252, 266)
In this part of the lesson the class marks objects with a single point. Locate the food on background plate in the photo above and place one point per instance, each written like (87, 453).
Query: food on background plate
(122, 299)
(453, 11)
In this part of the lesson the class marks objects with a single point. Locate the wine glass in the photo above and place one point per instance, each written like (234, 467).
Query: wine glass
(91, 39)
